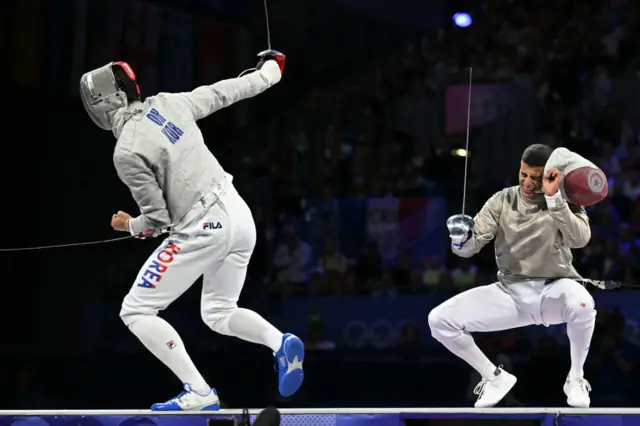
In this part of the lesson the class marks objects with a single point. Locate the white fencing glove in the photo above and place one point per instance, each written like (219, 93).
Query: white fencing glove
(460, 229)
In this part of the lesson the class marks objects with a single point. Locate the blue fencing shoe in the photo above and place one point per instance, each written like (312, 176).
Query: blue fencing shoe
(189, 400)
(289, 365)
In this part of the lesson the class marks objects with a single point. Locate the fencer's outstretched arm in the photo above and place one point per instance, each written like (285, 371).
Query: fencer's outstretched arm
(141, 181)
(572, 221)
(486, 226)
(205, 100)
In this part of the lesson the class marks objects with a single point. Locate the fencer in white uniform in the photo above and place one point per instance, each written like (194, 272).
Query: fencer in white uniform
(180, 186)
(534, 230)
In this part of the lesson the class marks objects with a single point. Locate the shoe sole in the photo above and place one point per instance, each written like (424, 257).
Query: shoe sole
(515, 380)
(212, 407)
(290, 382)
(578, 405)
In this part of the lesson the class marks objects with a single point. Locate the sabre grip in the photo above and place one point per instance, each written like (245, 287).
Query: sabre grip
(152, 233)
(270, 54)
(460, 229)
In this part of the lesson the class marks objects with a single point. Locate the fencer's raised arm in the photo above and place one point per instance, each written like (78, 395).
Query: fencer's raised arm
(486, 226)
(205, 100)
(141, 181)
(571, 220)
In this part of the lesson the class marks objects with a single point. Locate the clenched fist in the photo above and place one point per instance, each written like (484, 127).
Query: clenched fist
(551, 182)
(120, 221)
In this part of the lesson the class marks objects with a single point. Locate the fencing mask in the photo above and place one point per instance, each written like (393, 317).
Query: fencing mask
(107, 89)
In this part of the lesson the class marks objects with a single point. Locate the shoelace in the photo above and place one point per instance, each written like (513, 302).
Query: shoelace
(582, 384)
(187, 390)
(481, 387)
(179, 397)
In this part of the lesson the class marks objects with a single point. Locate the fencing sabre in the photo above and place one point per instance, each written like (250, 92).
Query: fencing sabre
(84, 243)
(142, 236)
(269, 50)
(466, 152)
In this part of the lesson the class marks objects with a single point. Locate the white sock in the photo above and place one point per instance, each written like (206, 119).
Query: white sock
(163, 341)
(465, 347)
(248, 325)
(579, 341)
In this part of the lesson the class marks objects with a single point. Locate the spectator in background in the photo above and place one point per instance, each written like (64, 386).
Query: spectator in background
(465, 276)
(384, 287)
(605, 215)
(627, 242)
(620, 204)
(369, 266)
(333, 267)
(631, 188)
(292, 261)
(410, 337)
(401, 273)
(434, 274)
(601, 87)
(592, 256)
(609, 162)
(611, 364)
(316, 339)
(547, 388)
(635, 218)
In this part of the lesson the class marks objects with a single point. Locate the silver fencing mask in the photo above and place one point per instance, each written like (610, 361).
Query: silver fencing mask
(101, 94)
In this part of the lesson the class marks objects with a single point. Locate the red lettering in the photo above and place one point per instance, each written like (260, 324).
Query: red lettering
(160, 268)
(168, 259)
(174, 248)
(152, 275)
(146, 284)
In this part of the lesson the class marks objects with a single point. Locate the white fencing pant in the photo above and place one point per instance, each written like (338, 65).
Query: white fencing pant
(214, 239)
(498, 307)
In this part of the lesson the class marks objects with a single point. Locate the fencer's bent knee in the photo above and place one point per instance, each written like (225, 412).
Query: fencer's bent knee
(217, 317)
(129, 319)
(131, 312)
(581, 310)
(440, 324)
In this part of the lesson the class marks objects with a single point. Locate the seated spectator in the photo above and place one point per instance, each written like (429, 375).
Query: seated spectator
(292, 261)
(402, 271)
(464, 276)
(410, 337)
(369, 266)
(385, 287)
(434, 274)
(333, 266)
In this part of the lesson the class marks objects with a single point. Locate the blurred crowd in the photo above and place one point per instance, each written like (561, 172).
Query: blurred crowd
(373, 136)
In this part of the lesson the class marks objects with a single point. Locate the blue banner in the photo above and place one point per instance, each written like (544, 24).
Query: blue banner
(395, 225)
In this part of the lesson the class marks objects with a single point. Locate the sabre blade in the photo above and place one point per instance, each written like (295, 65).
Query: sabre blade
(466, 157)
(266, 17)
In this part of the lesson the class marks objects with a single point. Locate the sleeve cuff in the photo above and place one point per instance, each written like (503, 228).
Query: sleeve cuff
(271, 71)
(555, 201)
(134, 225)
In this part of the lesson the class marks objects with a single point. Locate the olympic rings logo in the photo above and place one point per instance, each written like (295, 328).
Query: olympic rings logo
(380, 333)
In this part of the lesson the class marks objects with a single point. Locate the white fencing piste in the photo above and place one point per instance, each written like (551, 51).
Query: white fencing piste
(332, 411)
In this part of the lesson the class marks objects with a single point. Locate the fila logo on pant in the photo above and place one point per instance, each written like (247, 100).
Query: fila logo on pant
(159, 265)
